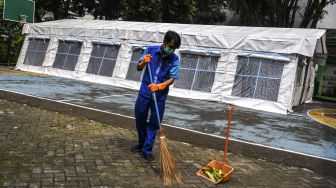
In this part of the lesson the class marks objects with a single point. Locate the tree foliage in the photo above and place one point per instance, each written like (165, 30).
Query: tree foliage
(174, 11)
(280, 13)
(210, 11)
(268, 13)
(63, 8)
(1, 8)
(105, 9)
(60, 8)
(178, 11)
(142, 10)
(314, 11)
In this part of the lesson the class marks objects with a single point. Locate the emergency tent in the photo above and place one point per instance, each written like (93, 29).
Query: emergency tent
(269, 69)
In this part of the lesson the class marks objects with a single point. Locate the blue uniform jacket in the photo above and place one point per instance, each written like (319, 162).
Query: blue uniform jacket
(167, 69)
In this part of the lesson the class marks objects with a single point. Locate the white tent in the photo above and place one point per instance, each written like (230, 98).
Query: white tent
(268, 69)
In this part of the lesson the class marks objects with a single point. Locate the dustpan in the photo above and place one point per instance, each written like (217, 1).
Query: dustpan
(223, 166)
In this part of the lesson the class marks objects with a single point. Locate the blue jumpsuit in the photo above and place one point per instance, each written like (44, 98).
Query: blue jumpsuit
(161, 72)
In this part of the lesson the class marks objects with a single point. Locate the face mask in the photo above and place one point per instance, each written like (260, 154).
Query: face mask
(169, 51)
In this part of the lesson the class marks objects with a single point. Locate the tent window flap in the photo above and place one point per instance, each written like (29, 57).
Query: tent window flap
(67, 55)
(103, 59)
(269, 56)
(133, 73)
(257, 78)
(36, 51)
(197, 72)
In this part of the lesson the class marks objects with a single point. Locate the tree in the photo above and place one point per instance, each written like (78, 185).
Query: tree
(142, 10)
(178, 11)
(105, 9)
(279, 13)
(314, 11)
(80, 7)
(174, 11)
(1, 9)
(11, 39)
(209, 11)
(62, 8)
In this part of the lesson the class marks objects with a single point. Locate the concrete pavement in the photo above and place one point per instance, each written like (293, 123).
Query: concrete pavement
(261, 143)
(41, 148)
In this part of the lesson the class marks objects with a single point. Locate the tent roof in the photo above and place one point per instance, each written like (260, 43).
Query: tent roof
(278, 40)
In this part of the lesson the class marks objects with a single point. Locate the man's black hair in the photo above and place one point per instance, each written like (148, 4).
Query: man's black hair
(172, 35)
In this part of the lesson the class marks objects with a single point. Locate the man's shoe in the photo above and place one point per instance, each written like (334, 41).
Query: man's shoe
(136, 149)
(149, 158)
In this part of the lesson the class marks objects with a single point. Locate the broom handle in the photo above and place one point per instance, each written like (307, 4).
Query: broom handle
(230, 107)
(154, 96)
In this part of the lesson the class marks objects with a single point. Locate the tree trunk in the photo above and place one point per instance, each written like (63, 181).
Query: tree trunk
(309, 12)
(294, 10)
(37, 15)
(318, 13)
(55, 9)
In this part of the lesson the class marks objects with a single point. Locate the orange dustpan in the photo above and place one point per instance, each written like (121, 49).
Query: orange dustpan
(226, 169)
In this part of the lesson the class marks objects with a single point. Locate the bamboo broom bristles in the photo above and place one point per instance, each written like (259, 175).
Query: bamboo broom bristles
(171, 174)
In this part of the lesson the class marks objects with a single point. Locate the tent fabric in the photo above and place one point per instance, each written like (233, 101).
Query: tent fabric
(251, 67)
(277, 40)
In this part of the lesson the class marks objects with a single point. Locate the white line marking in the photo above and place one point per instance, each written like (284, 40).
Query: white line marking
(103, 97)
(279, 149)
(298, 115)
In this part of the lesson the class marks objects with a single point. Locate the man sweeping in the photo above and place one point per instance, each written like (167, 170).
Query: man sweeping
(164, 66)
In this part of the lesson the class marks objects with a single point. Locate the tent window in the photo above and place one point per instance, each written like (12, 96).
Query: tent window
(257, 78)
(103, 59)
(36, 51)
(133, 73)
(67, 55)
(197, 72)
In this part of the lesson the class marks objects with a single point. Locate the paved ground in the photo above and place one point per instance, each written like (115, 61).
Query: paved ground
(40, 148)
(293, 133)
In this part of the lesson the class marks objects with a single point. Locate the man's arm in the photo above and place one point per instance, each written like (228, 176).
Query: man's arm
(169, 82)
(139, 67)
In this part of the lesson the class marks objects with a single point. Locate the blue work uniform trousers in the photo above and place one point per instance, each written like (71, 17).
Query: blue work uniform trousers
(147, 130)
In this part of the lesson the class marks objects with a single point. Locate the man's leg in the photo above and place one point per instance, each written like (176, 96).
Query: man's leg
(141, 115)
(153, 127)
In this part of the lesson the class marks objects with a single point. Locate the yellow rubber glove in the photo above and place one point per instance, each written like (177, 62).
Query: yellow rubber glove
(157, 87)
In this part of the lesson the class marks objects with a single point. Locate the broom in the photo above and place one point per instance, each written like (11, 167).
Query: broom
(171, 175)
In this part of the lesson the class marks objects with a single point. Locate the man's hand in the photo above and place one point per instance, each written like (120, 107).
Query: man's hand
(157, 87)
(146, 59)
